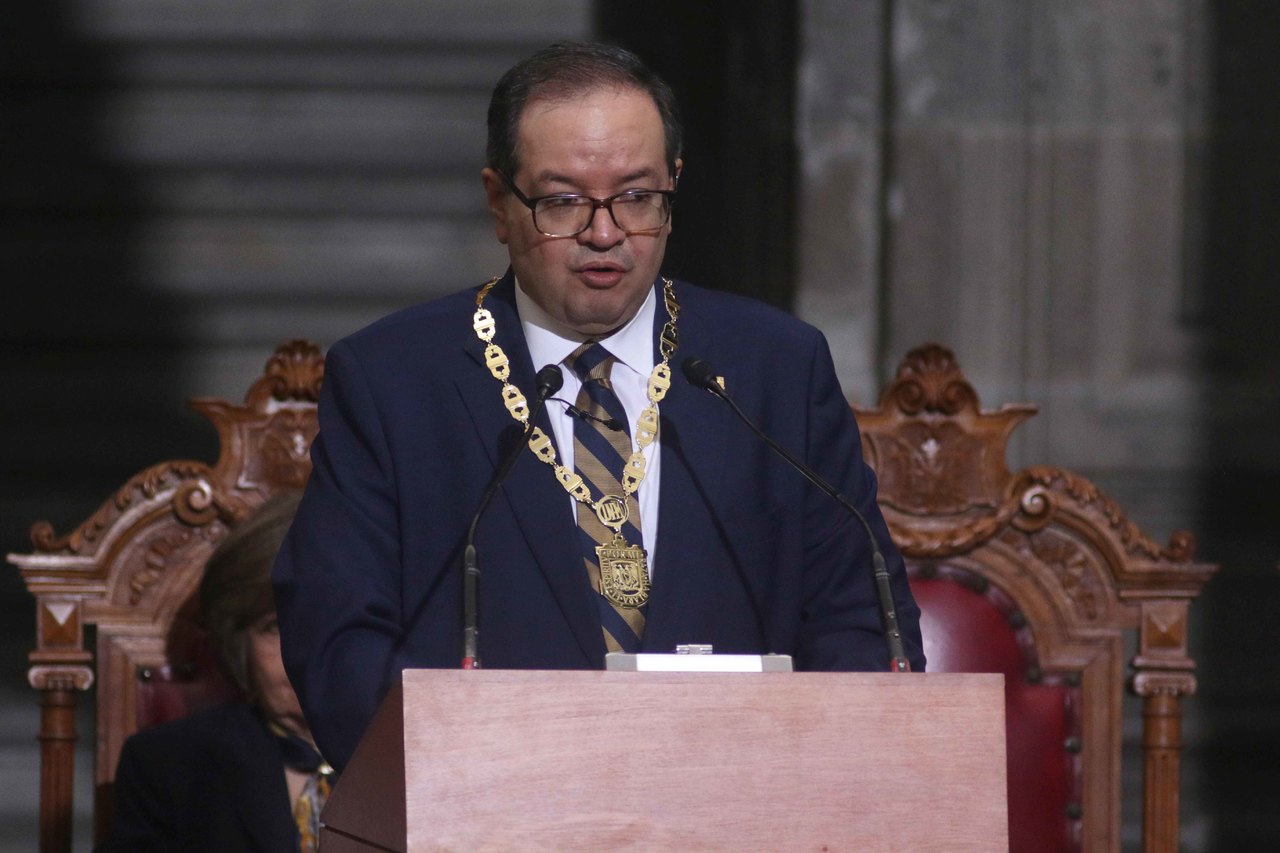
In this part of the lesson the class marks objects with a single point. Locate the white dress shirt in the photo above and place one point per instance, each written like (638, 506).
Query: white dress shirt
(632, 345)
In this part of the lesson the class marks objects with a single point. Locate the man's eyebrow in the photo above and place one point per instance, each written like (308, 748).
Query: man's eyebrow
(637, 175)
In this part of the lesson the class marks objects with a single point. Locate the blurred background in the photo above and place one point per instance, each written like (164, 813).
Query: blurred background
(1080, 197)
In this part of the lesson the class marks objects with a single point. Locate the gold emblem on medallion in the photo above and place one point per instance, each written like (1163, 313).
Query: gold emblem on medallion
(624, 574)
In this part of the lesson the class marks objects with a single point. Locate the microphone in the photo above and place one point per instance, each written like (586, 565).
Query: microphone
(611, 424)
(549, 380)
(700, 374)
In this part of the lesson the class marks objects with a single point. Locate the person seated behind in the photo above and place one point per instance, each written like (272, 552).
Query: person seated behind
(244, 776)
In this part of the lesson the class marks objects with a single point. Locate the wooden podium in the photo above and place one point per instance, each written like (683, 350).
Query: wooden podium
(558, 761)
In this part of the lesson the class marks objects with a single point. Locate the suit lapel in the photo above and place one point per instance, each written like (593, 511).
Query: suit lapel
(694, 452)
(531, 492)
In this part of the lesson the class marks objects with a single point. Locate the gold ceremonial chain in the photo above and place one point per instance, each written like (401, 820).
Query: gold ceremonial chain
(630, 588)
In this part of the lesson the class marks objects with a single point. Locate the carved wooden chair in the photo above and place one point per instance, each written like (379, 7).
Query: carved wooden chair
(129, 572)
(1039, 576)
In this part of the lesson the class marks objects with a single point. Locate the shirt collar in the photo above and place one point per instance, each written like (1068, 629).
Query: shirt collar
(550, 342)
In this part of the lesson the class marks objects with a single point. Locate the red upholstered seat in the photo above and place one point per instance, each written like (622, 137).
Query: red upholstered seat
(970, 626)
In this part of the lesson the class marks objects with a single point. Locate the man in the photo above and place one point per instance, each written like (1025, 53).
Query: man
(739, 551)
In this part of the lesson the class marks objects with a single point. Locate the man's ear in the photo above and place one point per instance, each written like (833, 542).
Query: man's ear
(495, 190)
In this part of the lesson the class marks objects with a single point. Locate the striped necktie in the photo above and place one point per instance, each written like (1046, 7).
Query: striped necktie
(601, 448)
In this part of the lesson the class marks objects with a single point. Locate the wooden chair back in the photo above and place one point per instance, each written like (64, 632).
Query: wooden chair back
(129, 571)
(1038, 575)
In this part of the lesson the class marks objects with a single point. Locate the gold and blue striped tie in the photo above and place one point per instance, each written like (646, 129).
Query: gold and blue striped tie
(601, 448)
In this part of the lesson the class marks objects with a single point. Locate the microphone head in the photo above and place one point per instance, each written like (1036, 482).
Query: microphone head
(699, 373)
(549, 380)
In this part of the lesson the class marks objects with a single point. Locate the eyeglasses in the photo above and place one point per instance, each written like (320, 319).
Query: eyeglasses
(569, 214)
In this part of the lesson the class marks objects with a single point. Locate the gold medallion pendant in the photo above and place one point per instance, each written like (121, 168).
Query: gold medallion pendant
(624, 573)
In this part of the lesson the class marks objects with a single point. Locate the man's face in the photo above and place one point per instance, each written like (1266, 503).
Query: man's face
(598, 144)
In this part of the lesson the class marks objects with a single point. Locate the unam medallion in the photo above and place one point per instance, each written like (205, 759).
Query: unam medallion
(624, 574)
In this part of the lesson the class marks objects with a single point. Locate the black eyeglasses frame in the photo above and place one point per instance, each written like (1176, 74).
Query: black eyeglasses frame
(596, 204)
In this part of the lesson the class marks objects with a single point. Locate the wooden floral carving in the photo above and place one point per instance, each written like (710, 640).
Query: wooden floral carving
(945, 486)
(1075, 569)
(294, 372)
(935, 452)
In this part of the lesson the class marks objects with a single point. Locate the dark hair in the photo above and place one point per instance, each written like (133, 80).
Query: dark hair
(235, 591)
(564, 70)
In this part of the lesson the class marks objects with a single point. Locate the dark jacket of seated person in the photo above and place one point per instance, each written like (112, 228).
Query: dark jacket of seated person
(245, 776)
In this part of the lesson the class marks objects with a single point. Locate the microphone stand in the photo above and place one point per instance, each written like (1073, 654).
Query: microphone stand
(702, 375)
(549, 380)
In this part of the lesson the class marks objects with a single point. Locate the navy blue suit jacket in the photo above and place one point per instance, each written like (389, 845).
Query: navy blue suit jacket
(212, 781)
(750, 557)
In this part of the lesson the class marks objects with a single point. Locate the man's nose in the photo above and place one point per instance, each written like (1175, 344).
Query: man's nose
(602, 230)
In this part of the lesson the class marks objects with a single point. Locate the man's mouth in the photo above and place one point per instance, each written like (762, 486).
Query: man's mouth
(601, 274)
